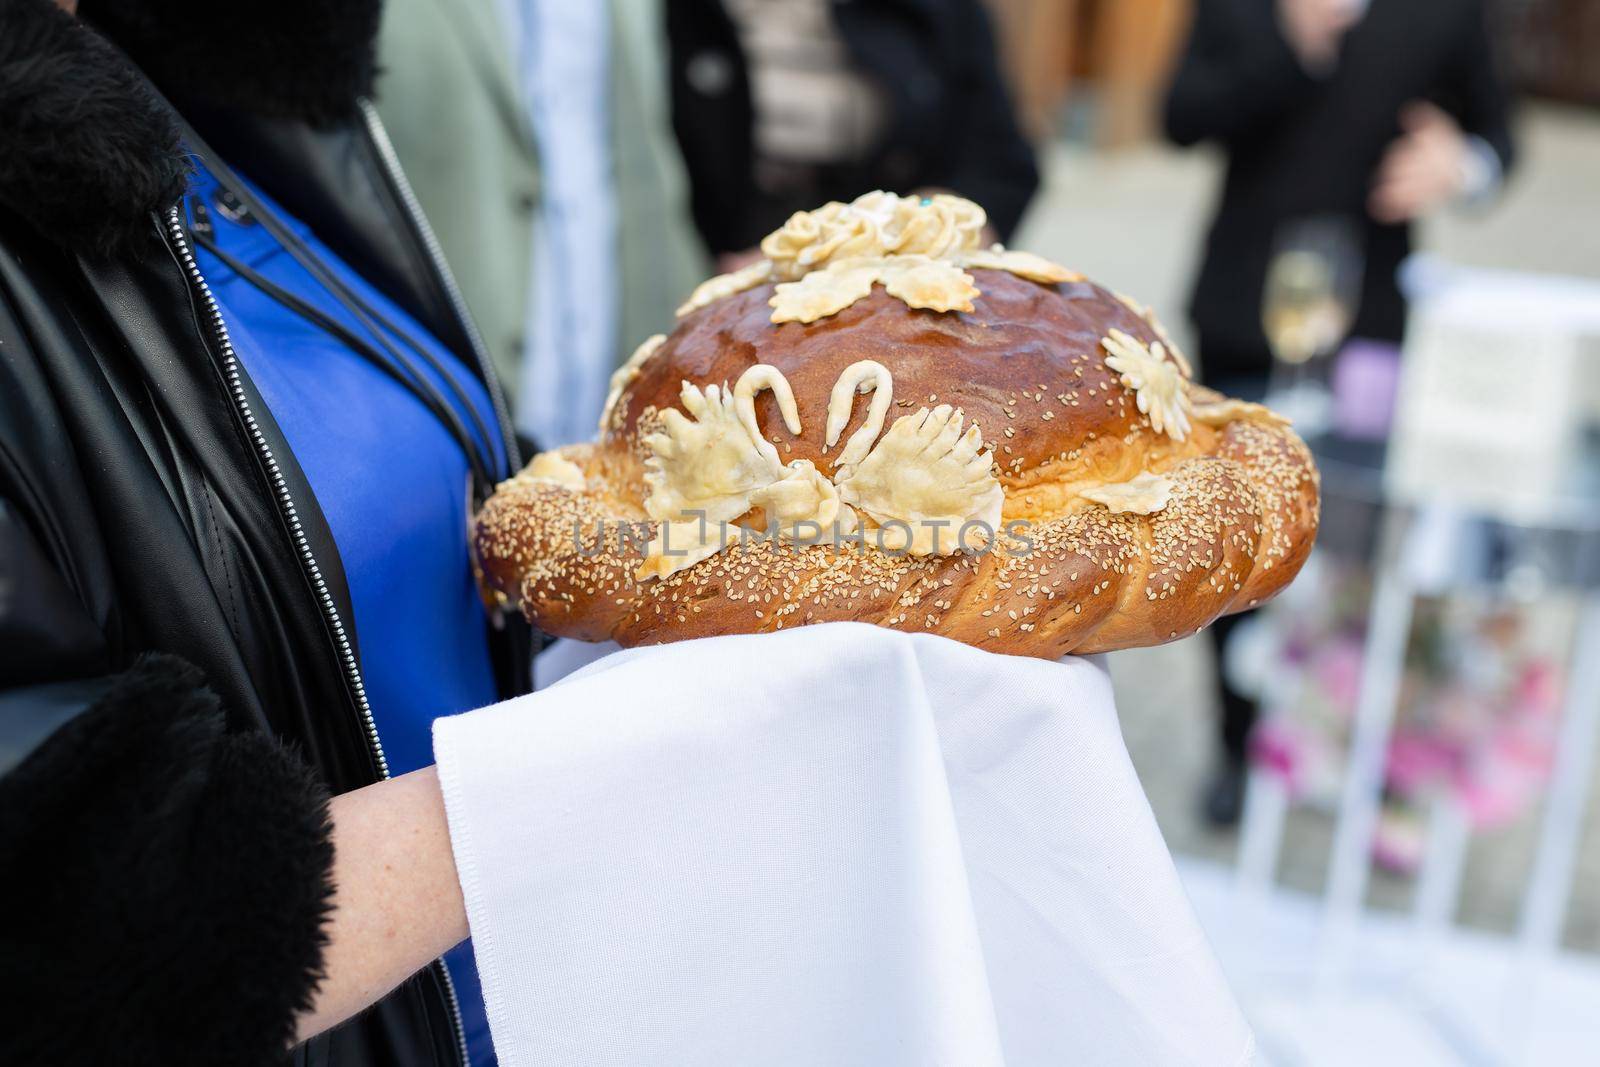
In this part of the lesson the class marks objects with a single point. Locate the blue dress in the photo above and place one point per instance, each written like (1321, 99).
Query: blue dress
(391, 481)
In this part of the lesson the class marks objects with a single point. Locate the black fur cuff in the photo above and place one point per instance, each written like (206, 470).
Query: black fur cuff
(166, 884)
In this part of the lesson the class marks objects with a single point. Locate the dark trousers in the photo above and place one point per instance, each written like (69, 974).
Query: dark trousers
(1236, 712)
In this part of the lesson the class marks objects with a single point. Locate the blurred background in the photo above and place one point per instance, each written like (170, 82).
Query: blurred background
(1381, 216)
(1411, 873)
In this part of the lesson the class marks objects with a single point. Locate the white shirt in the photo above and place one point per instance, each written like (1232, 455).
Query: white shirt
(811, 104)
(562, 53)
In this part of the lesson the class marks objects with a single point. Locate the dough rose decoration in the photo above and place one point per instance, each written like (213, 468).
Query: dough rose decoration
(824, 261)
(875, 225)
(883, 420)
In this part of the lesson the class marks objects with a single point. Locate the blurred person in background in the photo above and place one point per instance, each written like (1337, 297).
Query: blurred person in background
(537, 137)
(1378, 112)
(242, 421)
(783, 105)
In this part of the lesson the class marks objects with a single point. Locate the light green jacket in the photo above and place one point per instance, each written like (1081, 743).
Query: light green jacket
(449, 96)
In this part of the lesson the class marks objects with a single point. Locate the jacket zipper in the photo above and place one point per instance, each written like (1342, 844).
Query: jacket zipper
(447, 280)
(280, 488)
(308, 559)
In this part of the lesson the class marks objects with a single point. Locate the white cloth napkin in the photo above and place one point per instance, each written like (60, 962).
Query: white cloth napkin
(831, 845)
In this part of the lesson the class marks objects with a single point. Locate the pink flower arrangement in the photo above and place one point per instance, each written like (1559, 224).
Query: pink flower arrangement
(1477, 721)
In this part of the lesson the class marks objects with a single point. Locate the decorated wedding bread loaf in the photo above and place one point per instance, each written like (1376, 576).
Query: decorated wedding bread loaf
(882, 420)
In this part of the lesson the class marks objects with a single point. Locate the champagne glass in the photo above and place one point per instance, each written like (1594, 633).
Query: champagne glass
(1312, 291)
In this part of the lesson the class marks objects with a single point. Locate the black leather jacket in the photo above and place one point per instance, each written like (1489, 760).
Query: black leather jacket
(148, 503)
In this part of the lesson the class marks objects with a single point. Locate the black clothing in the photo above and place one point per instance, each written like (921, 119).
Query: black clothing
(1299, 146)
(148, 503)
(951, 123)
(1237, 712)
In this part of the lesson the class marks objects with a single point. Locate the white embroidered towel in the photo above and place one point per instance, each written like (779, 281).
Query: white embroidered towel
(826, 846)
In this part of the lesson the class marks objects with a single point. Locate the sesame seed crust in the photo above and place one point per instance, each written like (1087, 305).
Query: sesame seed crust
(1025, 364)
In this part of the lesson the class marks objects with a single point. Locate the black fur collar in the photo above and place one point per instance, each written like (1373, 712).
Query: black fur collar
(88, 149)
(284, 59)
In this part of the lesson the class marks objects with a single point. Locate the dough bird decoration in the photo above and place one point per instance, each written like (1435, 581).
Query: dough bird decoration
(885, 420)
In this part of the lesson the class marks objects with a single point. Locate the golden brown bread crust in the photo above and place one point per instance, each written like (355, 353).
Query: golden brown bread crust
(1028, 360)
(1018, 362)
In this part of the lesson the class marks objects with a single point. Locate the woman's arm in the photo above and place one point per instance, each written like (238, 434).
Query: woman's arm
(170, 884)
(396, 901)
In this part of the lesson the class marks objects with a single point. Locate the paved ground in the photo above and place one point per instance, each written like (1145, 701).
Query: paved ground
(1131, 220)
